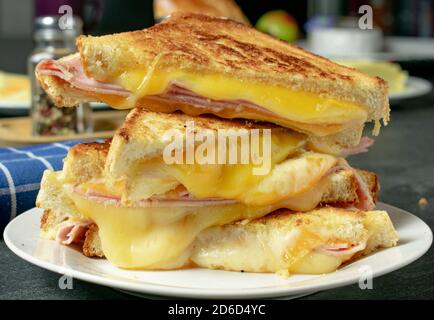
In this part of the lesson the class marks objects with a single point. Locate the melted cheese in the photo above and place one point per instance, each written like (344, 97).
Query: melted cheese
(157, 237)
(290, 178)
(296, 183)
(317, 263)
(164, 238)
(296, 106)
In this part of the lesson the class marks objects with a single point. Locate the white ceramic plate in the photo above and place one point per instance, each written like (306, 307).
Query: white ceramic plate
(415, 87)
(14, 108)
(22, 237)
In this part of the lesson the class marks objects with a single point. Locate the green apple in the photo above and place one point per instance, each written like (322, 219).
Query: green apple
(279, 24)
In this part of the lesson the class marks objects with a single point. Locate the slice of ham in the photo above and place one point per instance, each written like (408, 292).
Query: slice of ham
(364, 144)
(341, 249)
(156, 201)
(73, 232)
(71, 71)
(176, 93)
(365, 200)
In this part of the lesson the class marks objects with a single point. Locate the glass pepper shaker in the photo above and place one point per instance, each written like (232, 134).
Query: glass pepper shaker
(53, 42)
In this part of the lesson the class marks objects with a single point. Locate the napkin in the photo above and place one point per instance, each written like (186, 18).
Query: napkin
(21, 170)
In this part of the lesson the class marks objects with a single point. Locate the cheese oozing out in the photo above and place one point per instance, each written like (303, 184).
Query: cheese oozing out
(156, 237)
(163, 237)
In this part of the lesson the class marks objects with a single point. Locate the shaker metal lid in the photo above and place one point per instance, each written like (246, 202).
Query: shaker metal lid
(57, 27)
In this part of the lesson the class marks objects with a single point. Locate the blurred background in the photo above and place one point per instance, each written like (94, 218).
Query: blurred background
(409, 18)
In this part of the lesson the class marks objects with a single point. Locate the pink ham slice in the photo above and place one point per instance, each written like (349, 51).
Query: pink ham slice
(341, 249)
(366, 201)
(362, 147)
(73, 232)
(175, 92)
(157, 201)
(71, 71)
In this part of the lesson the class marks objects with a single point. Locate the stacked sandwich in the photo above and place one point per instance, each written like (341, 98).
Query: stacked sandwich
(192, 75)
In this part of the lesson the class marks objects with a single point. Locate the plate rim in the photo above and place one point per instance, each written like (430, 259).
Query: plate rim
(246, 293)
(425, 88)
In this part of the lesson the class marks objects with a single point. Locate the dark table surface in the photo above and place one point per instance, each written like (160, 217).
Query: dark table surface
(403, 157)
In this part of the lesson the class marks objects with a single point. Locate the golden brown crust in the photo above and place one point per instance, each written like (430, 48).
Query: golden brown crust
(62, 93)
(92, 243)
(299, 218)
(44, 223)
(85, 161)
(272, 239)
(84, 148)
(211, 41)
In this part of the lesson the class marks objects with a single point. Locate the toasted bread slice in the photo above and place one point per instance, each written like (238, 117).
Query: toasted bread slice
(207, 44)
(221, 8)
(84, 161)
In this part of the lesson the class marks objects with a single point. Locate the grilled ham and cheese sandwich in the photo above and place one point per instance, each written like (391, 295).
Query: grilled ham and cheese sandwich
(124, 203)
(307, 211)
(200, 64)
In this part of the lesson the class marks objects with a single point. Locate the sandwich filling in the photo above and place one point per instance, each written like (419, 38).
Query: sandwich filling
(219, 94)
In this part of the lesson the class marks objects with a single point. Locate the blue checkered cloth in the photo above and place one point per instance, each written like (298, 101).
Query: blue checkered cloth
(21, 171)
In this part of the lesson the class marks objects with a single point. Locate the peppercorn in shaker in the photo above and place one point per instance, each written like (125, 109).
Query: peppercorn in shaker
(54, 42)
